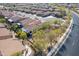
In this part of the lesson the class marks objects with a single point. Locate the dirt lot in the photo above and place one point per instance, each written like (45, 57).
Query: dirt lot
(9, 46)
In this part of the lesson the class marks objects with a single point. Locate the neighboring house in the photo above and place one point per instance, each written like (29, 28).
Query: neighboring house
(57, 14)
(31, 24)
(33, 12)
(39, 13)
(28, 11)
(1, 7)
(43, 13)
(7, 13)
(27, 22)
(20, 14)
(34, 22)
(13, 19)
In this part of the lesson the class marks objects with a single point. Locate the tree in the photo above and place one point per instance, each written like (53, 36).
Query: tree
(22, 35)
(14, 27)
(62, 10)
(74, 7)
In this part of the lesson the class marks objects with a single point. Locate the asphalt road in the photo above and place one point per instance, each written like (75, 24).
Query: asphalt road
(71, 46)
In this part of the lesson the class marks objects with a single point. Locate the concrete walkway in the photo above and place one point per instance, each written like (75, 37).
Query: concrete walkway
(28, 51)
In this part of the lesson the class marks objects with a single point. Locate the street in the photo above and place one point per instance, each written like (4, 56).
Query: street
(72, 43)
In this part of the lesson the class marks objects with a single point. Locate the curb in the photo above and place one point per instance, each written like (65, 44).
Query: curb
(56, 48)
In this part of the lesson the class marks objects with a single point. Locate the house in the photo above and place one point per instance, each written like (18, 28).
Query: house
(13, 19)
(39, 13)
(1, 15)
(34, 22)
(28, 11)
(1, 7)
(46, 14)
(57, 14)
(30, 23)
(33, 12)
(25, 21)
(7, 13)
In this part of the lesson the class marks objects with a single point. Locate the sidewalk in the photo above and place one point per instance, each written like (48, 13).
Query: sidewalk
(27, 51)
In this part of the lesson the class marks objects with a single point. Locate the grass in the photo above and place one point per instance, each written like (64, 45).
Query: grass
(2, 20)
(17, 54)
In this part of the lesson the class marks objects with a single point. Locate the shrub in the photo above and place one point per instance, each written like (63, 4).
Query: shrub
(17, 54)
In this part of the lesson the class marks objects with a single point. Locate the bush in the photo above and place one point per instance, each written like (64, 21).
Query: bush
(45, 25)
(39, 34)
(21, 34)
(2, 20)
(17, 54)
(40, 44)
(14, 27)
(56, 21)
(42, 27)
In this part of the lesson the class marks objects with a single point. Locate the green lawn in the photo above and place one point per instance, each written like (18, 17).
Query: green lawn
(2, 20)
